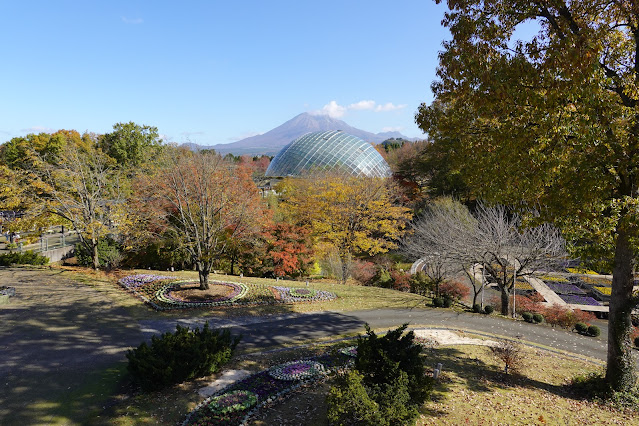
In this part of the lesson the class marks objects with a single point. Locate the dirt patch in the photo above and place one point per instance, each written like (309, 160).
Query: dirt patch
(192, 292)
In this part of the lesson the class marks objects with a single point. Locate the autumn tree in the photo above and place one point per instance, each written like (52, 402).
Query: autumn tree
(205, 199)
(551, 120)
(354, 214)
(84, 188)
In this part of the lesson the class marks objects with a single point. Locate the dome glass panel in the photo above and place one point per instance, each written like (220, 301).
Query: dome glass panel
(330, 150)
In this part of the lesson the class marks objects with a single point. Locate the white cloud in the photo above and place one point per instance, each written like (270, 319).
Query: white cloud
(335, 110)
(332, 109)
(392, 129)
(38, 129)
(362, 105)
(132, 21)
(389, 107)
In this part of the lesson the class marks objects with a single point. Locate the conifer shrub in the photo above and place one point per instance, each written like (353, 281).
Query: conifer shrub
(387, 385)
(28, 257)
(594, 331)
(488, 309)
(448, 302)
(176, 357)
(527, 316)
(538, 318)
(476, 308)
(438, 302)
(581, 328)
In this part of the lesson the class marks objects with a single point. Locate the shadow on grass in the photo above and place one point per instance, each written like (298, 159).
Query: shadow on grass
(478, 376)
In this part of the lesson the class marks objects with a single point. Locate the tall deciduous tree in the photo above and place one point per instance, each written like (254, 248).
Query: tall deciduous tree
(205, 199)
(131, 144)
(84, 189)
(551, 120)
(353, 214)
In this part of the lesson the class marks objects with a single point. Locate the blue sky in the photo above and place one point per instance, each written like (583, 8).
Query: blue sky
(211, 71)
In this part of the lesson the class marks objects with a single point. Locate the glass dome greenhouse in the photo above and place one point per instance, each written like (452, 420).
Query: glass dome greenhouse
(330, 150)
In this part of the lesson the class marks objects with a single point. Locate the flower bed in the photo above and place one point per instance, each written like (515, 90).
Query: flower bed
(266, 387)
(163, 293)
(292, 295)
(596, 281)
(606, 291)
(561, 288)
(523, 285)
(553, 278)
(579, 300)
(297, 370)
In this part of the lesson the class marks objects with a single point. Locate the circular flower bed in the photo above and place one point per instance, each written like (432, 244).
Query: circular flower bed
(239, 400)
(297, 370)
(168, 294)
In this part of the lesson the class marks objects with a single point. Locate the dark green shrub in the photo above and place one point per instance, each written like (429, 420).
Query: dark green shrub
(176, 357)
(476, 308)
(438, 302)
(537, 318)
(349, 403)
(380, 359)
(28, 257)
(109, 254)
(420, 284)
(448, 302)
(581, 328)
(594, 331)
(488, 309)
(637, 342)
(383, 278)
(527, 316)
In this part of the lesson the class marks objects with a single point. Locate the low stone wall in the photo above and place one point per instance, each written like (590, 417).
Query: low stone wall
(58, 254)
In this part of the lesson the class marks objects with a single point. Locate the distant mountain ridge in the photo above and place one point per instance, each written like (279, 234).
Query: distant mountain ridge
(271, 142)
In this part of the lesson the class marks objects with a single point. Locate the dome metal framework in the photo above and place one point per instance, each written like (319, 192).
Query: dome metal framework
(332, 150)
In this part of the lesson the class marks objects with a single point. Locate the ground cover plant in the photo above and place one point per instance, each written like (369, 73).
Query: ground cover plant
(169, 292)
(565, 288)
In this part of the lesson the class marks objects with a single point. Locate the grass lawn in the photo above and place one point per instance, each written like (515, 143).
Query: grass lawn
(350, 296)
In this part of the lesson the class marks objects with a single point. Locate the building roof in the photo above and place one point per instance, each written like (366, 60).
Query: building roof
(328, 151)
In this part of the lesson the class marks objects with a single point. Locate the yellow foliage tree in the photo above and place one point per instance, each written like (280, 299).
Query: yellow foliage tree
(353, 214)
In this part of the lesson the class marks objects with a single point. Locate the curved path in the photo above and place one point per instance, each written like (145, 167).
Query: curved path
(264, 332)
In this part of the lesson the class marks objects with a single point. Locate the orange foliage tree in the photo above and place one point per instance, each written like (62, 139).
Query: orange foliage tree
(208, 201)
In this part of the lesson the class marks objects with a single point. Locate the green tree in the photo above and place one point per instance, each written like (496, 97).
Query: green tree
(130, 144)
(551, 121)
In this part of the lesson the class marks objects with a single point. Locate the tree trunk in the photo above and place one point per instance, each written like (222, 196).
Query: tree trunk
(203, 274)
(95, 255)
(620, 373)
(505, 301)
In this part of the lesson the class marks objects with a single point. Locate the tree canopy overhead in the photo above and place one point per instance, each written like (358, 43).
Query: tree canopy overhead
(550, 121)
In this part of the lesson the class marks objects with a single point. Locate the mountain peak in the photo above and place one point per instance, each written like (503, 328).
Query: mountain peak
(271, 142)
